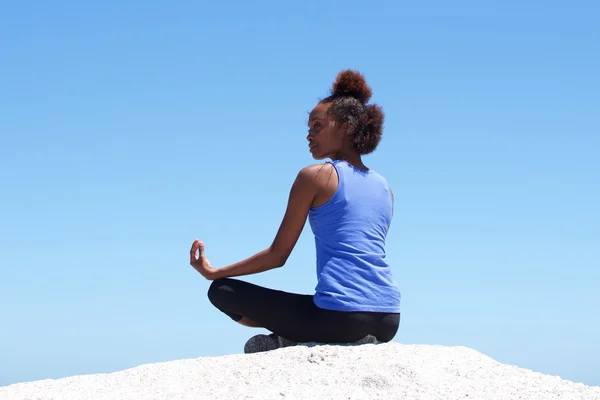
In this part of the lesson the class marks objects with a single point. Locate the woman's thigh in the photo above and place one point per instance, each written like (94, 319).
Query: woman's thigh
(275, 310)
(290, 315)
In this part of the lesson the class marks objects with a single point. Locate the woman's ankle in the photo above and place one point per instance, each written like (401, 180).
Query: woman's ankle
(249, 323)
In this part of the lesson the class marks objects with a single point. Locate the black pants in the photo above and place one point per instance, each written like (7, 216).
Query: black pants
(296, 317)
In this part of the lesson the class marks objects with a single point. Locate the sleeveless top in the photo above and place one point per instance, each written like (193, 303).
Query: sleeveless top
(350, 231)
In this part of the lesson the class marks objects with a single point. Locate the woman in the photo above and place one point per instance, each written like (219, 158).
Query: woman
(350, 209)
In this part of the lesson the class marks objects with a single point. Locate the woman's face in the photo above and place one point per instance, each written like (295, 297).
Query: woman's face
(326, 137)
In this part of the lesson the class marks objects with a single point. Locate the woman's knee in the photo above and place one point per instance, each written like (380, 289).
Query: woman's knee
(218, 290)
(221, 294)
(391, 325)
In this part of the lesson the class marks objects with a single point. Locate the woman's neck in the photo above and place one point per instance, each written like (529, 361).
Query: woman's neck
(352, 158)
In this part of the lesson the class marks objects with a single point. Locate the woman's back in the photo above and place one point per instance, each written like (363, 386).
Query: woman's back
(350, 231)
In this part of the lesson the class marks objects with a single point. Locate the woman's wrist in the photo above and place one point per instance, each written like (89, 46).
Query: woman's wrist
(217, 273)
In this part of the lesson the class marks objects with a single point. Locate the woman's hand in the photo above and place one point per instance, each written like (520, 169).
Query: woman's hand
(200, 262)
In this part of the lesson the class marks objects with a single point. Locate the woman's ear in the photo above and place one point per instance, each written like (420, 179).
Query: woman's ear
(344, 129)
(340, 128)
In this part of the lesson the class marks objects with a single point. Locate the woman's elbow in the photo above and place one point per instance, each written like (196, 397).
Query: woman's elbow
(279, 258)
(280, 261)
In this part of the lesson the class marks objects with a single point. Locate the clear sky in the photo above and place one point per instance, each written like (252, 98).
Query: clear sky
(129, 130)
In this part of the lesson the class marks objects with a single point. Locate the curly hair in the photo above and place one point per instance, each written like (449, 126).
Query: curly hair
(349, 96)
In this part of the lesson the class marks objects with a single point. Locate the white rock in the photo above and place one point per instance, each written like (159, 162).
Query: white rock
(385, 371)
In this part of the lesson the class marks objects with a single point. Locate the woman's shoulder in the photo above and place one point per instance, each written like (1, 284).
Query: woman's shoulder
(318, 175)
(317, 171)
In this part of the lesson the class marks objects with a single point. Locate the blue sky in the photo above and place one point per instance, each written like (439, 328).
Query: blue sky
(128, 130)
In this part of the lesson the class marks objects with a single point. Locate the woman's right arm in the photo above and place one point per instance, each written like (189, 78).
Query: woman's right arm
(300, 200)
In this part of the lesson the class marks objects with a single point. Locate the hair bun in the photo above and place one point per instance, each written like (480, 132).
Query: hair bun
(352, 83)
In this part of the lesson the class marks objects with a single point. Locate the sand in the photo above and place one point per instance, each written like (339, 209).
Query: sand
(384, 371)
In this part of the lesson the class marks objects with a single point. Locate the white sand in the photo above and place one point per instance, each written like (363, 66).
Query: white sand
(385, 371)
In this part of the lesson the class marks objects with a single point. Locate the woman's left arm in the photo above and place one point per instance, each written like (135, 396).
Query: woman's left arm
(302, 194)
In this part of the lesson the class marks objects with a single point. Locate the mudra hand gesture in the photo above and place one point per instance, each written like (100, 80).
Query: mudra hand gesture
(199, 261)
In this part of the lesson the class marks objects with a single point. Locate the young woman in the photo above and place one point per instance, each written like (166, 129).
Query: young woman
(350, 209)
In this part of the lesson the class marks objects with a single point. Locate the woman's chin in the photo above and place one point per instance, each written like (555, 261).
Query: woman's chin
(315, 154)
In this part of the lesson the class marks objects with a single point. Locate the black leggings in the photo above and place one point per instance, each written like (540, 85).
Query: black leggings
(295, 316)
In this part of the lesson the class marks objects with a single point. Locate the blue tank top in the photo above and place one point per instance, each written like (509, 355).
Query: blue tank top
(350, 231)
